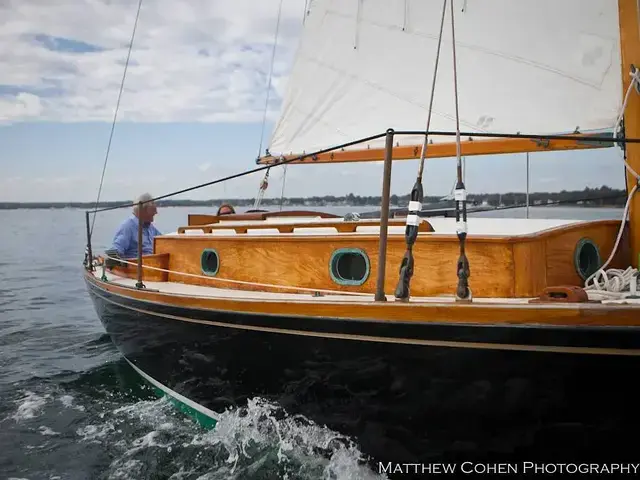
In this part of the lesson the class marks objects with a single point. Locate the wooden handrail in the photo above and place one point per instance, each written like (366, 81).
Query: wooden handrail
(204, 219)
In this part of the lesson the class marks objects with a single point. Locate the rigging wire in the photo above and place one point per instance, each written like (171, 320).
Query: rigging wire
(263, 186)
(311, 155)
(273, 56)
(265, 181)
(247, 172)
(406, 15)
(425, 144)
(417, 193)
(307, 6)
(463, 292)
(284, 179)
(444, 212)
(585, 137)
(115, 115)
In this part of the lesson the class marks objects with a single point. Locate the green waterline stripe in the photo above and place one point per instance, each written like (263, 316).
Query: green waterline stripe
(202, 415)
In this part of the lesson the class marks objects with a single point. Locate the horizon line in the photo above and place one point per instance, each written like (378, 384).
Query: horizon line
(311, 197)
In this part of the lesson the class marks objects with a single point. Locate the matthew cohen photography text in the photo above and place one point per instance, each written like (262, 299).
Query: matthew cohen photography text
(471, 468)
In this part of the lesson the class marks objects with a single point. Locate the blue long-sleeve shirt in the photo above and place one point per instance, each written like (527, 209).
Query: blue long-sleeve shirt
(125, 240)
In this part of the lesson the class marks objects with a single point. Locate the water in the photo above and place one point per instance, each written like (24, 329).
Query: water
(71, 408)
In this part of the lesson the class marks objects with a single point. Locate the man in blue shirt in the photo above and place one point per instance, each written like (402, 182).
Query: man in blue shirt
(125, 240)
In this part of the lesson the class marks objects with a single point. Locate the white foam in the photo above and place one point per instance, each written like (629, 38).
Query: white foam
(257, 439)
(47, 431)
(67, 401)
(128, 470)
(95, 433)
(247, 433)
(30, 406)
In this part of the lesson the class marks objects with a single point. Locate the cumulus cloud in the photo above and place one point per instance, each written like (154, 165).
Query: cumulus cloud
(192, 60)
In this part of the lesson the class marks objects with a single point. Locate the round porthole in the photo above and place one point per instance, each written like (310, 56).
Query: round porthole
(349, 266)
(209, 262)
(586, 258)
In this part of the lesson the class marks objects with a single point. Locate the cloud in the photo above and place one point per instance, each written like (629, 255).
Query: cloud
(192, 60)
(22, 105)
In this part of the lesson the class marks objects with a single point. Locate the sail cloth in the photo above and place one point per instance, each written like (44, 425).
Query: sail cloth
(529, 66)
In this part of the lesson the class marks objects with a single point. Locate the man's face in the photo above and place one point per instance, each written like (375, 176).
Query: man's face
(225, 211)
(149, 211)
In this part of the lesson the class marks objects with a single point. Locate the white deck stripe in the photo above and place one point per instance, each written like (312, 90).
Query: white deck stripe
(395, 340)
(175, 289)
(174, 394)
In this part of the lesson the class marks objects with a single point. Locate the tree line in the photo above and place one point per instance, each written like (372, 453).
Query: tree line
(601, 196)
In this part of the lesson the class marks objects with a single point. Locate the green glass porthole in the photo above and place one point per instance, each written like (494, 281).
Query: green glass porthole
(210, 262)
(586, 258)
(349, 266)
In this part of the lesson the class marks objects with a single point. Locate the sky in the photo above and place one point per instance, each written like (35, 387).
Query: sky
(192, 108)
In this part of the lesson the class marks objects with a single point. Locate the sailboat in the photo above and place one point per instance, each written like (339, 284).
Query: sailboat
(423, 338)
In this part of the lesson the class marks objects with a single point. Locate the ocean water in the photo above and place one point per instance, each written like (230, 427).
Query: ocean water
(71, 408)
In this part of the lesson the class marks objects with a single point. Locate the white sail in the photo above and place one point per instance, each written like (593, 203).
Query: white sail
(529, 66)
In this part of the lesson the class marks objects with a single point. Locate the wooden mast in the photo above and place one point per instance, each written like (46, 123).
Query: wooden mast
(630, 55)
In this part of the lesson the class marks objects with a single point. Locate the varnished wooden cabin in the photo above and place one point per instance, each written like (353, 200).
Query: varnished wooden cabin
(510, 258)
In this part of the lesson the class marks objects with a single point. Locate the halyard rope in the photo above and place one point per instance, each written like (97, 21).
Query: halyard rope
(613, 283)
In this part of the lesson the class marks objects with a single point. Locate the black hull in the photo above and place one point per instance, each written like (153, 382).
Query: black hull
(403, 402)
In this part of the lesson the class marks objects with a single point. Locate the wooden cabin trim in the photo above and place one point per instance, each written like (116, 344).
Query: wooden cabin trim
(507, 267)
(306, 264)
(494, 146)
(560, 268)
(428, 236)
(479, 313)
(549, 261)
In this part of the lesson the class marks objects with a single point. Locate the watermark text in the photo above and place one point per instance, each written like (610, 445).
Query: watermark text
(472, 468)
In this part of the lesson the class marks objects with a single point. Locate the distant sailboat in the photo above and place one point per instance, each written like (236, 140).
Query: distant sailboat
(417, 336)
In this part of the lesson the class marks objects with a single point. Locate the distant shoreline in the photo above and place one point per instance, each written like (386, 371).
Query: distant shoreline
(317, 206)
(589, 197)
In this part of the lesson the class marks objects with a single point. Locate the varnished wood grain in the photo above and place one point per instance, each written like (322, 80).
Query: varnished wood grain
(530, 272)
(159, 260)
(590, 314)
(305, 263)
(500, 266)
(560, 252)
